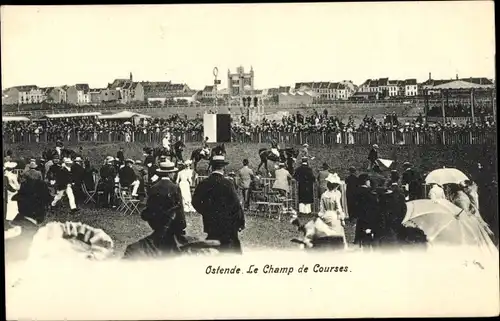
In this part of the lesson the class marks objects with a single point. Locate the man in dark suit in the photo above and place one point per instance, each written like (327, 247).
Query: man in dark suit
(366, 205)
(128, 178)
(373, 156)
(305, 179)
(120, 156)
(164, 213)
(216, 199)
(352, 184)
(377, 179)
(78, 172)
(412, 179)
(64, 185)
(149, 162)
(32, 173)
(108, 174)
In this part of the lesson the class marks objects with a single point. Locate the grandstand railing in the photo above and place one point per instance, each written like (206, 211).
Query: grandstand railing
(446, 137)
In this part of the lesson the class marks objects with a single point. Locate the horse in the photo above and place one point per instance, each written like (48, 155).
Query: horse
(196, 155)
(287, 156)
(175, 152)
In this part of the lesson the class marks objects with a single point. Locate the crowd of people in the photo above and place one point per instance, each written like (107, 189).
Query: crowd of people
(461, 108)
(88, 128)
(375, 201)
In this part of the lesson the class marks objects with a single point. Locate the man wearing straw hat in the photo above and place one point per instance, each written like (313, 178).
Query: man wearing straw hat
(64, 185)
(31, 173)
(216, 199)
(165, 215)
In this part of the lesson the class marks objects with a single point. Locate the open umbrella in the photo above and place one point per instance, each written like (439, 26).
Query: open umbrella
(443, 176)
(444, 223)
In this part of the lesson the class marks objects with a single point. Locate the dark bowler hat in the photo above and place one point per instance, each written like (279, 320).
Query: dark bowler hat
(219, 160)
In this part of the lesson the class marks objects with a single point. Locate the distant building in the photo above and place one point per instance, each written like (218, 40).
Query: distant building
(160, 89)
(95, 95)
(29, 94)
(430, 84)
(297, 98)
(411, 87)
(240, 83)
(78, 94)
(390, 87)
(327, 91)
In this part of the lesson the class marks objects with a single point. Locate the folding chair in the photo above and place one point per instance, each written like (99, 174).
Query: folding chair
(128, 204)
(92, 192)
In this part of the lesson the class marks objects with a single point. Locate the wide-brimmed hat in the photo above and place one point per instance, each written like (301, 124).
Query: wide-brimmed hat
(10, 165)
(305, 145)
(68, 160)
(406, 164)
(166, 167)
(281, 164)
(219, 160)
(33, 165)
(333, 178)
(375, 146)
(188, 162)
(78, 159)
(129, 161)
(138, 161)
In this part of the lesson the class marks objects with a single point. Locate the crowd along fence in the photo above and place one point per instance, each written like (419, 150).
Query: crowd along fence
(266, 190)
(284, 138)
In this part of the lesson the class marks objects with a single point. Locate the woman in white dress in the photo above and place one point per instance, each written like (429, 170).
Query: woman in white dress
(12, 188)
(185, 180)
(332, 217)
(460, 197)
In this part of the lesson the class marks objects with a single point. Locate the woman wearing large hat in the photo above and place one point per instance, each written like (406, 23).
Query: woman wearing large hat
(331, 211)
(185, 181)
(11, 186)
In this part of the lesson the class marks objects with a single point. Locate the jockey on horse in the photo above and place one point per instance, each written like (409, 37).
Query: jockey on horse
(166, 142)
(275, 148)
(205, 149)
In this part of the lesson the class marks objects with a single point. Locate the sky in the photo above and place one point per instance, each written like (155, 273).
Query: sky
(285, 43)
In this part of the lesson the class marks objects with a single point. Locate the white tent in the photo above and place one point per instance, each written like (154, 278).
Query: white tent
(14, 118)
(71, 115)
(124, 115)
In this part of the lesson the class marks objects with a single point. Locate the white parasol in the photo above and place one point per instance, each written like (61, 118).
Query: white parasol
(443, 176)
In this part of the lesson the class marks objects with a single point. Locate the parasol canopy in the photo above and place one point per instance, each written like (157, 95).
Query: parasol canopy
(443, 223)
(443, 176)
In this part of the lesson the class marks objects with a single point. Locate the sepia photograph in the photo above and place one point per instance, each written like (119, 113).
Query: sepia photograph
(271, 160)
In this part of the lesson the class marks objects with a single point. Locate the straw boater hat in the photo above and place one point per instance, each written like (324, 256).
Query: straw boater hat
(10, 165)
(333, 178)
(138, 162)
(281, 164)
(305, 161)
(219, 160)
(166, 167)
(78, 159)
(375, 146)
(68, 160)
(305, 145)
(129, 161)
(33, 165)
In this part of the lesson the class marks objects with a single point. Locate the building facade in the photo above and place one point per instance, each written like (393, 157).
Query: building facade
(240, 82)
(78, 94)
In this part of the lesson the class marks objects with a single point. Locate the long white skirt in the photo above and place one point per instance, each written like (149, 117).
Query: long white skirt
(186, 196)
(12, 209)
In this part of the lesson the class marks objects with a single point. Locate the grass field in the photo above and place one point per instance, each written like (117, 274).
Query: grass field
(260, 232)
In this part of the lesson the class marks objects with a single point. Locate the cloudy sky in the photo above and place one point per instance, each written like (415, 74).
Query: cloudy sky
(285, 43)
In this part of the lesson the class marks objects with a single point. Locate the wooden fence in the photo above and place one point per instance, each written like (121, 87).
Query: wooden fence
(284, 138)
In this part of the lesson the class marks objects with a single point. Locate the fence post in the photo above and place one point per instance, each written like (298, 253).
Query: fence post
(78, 137)
(470, 138)
(444, 138)
(260, 137)
(109, 136)
(300, 138)
(369, 134)
(393, 134)
(323, 138)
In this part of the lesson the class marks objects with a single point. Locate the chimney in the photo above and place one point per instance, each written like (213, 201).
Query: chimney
(430, 78)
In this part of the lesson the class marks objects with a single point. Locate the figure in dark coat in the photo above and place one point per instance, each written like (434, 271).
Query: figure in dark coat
(392, 210)
(165, 215)
(216, 199)
(305, 178)
(78, 173)
(366, 212)
(373, 156)
(413, 179)
(120, 156)
(352, 185)
(33, 199)
(108, 174)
